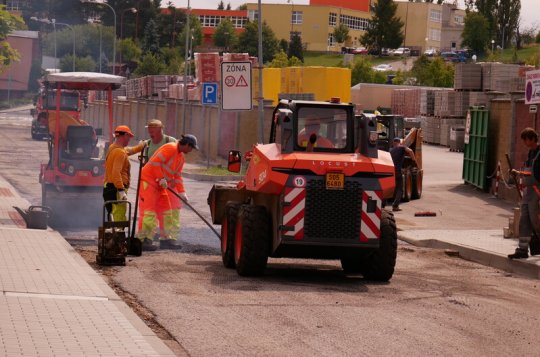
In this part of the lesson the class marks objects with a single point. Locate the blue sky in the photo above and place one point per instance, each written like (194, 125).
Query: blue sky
(529, 8)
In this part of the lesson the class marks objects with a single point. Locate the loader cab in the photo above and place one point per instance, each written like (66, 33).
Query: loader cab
(389, 127)
(313, 127)
(306, 126)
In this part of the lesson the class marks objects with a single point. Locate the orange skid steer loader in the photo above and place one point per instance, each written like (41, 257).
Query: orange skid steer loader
(315, 191)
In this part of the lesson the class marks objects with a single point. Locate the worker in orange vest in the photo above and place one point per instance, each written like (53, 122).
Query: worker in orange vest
(117, 172)
(163, 170)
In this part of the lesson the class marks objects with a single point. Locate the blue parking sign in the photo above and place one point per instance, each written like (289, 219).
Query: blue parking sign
(209, 93)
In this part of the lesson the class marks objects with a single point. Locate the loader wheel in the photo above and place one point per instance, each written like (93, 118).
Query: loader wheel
(417, 179)
(407, 186)
(227, 234)
(354, 264)
(252, 240)
(379, 265)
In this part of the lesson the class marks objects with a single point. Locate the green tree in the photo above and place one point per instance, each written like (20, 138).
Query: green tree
(475, 33)
(150, 65)
(295, 48)
(225, 35)
(221, 5)
(173, 60)
(295, 62)
(507, 20)
(283, 45)
(35, 75)
(130, 51)
(537, 39)
(248, 41)
(196, 33)
(420, 69)
(242, 7)
(8, 23)
(169, 24)
(341, 33)
(150, 42)
(66, 11)
(280, 60)
(82, 64)
(441, 74)
(362, 72)
(384, 30)
(229, 6)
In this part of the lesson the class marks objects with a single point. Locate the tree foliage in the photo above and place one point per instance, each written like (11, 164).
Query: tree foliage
(8, 23)
(436, 73)
(295, 48)
(221, 5)
(170, 23)
(248, 41)
(196, 34)
(150, 43)
(341, 33)
(130, 51)
(150, 65)
(225, 35)
(362, 72)
(384, 30)
(475, 33)
(282, 60)
(82, 64)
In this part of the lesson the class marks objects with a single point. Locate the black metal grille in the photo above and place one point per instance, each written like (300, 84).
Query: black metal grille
(332, 214)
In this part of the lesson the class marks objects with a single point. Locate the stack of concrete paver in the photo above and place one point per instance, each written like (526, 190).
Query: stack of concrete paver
(431, 127)
(427, 101)
(468, 76)
(445, 103)
(499, 76)
(446, 126)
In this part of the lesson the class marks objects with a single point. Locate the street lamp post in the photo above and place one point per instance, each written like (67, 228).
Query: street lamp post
(188, 33)
(114, 32)
(492, 45)
(261, 97)
(133, 11)
(54, 23)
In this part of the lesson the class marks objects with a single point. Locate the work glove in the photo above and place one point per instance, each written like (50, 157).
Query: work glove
(514, 172)
(143, 143)
(183, 196)
(163, 183)
(122, 195)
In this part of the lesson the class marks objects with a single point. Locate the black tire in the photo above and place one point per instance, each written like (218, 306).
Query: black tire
(228, 227)
(417, 181)
(252, 240)
(380, 263)
(354, 264)
(407, 186)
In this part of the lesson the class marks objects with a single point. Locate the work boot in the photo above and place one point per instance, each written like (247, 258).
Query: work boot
(519, 254)
(148, 246)
(168, 244)
(396, 209)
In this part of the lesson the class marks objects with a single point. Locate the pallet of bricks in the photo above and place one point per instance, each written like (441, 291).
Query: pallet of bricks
(406, 102)
(450, 108)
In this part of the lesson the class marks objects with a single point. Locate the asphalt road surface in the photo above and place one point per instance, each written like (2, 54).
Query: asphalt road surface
(436, 304)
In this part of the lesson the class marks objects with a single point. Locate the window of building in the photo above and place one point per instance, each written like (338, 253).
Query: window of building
(458, 19)
(435, 34)
(253, 15)
(435, 15)
(14, 5)
(296, 18)
(354, 23)
(238, 22)
(332, 19)
(331, 40)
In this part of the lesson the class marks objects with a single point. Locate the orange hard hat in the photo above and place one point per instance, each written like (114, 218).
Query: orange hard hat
(123, 129)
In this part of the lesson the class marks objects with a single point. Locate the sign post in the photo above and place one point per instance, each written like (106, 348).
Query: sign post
(236, 91)
(209, 93)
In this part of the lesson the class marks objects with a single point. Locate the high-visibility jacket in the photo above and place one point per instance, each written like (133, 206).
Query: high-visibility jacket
(166, 163)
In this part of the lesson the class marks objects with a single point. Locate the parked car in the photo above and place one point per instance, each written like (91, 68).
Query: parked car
(360, 51)
(383, 67)
(402, 51)
(430, 52)
(453, 57)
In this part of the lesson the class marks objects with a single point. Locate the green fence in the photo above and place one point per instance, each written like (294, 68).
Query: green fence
(475, 153)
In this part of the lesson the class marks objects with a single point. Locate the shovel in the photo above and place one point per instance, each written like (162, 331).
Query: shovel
(196, 212)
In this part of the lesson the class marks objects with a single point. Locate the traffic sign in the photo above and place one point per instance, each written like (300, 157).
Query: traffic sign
(533, 109)
(209, 93)
(532, 87)
(236, 86)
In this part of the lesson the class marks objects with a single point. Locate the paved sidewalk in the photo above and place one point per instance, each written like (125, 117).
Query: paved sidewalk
(487, 247)
(53, 303)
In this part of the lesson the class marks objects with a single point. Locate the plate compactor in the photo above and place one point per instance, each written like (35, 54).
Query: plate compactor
(113, 242)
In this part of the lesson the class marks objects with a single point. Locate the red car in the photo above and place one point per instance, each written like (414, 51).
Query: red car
(360, 51)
